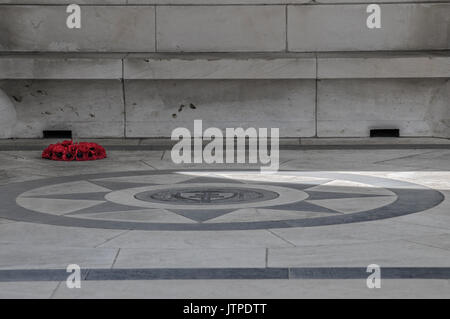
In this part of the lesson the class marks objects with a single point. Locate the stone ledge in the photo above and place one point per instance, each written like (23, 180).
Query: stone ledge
(383, 65)
(222, 66)
(285, 143)
(151, 66)
(60, 67)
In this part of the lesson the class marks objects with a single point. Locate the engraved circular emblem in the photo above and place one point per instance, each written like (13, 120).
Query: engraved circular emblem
(207, 196)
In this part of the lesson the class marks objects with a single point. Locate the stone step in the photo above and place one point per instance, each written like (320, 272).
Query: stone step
(136, 144)
(344, 65)
(61, 66)
(304, 95)
(242, 26)
(154, 108)
(374, 65)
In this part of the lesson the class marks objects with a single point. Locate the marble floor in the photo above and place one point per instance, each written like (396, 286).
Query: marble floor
(140, 226)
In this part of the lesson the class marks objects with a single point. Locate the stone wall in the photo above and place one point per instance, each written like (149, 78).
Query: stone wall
(310, 68)
(223, 28)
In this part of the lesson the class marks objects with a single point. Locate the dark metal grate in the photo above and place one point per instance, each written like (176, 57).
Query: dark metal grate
(385, 133)
(57, 134)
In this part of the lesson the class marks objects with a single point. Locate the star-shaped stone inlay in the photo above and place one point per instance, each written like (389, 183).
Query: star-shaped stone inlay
(202, 215)
(199, 200)
(205, 198)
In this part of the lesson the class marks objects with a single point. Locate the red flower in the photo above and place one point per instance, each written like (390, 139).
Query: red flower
(82, 152)
(100, 152)
(68, 151)
(58, 152)
(66, 143)
(48, 152)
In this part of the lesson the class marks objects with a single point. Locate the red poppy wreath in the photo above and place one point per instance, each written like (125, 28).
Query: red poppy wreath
(69, 151)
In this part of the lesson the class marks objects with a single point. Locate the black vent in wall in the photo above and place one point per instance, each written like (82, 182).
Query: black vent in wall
(385, 133)
(57, 134)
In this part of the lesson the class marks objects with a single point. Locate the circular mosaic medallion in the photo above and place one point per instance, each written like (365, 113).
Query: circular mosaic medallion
(206, 196)
(219, 200)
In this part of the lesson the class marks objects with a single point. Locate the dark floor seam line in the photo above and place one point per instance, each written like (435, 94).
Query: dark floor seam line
(424, 225)
(281, 273)
(54, 290)
(403, 157)
(115, 258)
(112, 238)
(266, 261)
(147, 164)
(281, 238)
(426, 245)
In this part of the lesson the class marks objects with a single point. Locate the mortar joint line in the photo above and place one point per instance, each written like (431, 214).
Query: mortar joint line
(316, 95)
(54, 290)
(115, 258)
(124, 100)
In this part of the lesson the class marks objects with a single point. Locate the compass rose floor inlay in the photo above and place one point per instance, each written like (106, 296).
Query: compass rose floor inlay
(219, 200)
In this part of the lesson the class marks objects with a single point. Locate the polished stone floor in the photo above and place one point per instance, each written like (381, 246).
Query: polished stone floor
(140, 226)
